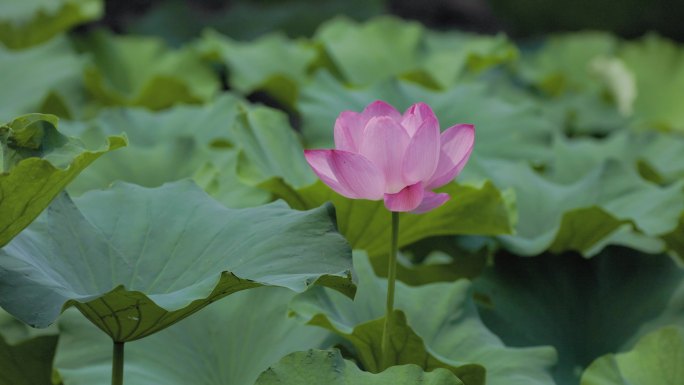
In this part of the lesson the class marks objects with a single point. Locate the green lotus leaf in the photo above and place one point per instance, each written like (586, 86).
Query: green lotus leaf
(37, 163)
(219, 178)
(453, 56)
(406, 347)
(564, 62)
(610, 204)
(207, 124)
(658, 156)
(654, 155)
(30, 77)
(169, 160)
(230, 342)
(269, 148)
(135, 260)
(142, 71)
(398, 48)
(390, 47)
(596, 108)
(328, 367)
(504, 129)
(28, 362)
(263, 150)
(440, 259)
(164, 146)
(442, 314)
(675, 239)
(251, 66)
(657, 66)
(655, 359)
(592, 113)
(585, 89)
(228, 146)
(25, 23)
(26, 354)
(15, 331)
(585, 308)
(482, 210)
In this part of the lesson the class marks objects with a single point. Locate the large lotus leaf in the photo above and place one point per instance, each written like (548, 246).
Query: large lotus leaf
(157, 151)
(442, 314)
(165, 146)
(593, 112)
(221, 180)
(30, 76)
(26, 354)
(269, 148)
(207, 124)
(611, 204)
(675, 239)
(659, 159)
(228, 146)
(658, 66)
(251, 66)
(230, 342)
(655, 155)
(265, 151)
(656, 359)
(15, 331)
(24, 23)
(399, 48)
(583, 307)
(405, 347)
(142, 71)
(390, 47)
(28, 362)
(135, 260)
(450, 57)
(585, 89)
(503, 129)
(441, 259)
(169, 160)
(328, 367)
(482, 210)
(37, 163)
(586, 113)
(564, 62)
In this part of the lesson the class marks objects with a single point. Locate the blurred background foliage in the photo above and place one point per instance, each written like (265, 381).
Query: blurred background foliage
(182, 20)
(579, 112)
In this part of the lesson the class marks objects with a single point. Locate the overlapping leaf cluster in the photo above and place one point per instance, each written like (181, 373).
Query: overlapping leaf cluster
(556, 261)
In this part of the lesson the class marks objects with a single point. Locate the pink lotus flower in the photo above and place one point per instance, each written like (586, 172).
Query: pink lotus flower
(382, 154)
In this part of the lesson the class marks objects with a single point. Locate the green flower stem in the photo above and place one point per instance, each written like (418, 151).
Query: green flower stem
(386, 362)
(118, 363)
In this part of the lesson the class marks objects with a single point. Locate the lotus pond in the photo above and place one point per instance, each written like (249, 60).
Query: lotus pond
(160, 224)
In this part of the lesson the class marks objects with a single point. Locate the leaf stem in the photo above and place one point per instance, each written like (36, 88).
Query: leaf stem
(386, 362)
(118, 363)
